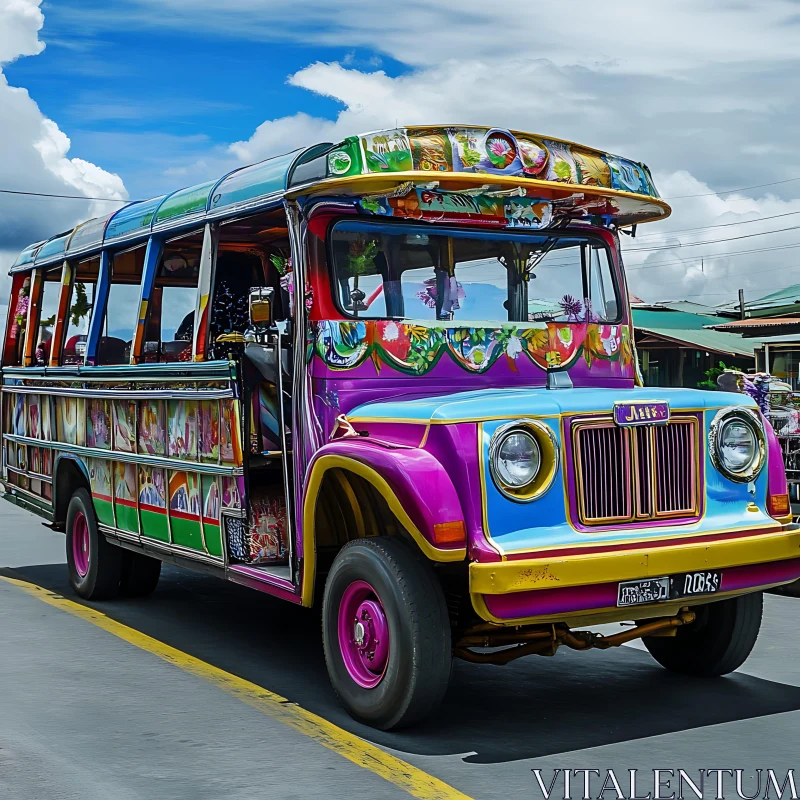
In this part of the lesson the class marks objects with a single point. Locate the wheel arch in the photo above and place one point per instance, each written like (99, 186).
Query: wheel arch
(346, 497)
(69, 474)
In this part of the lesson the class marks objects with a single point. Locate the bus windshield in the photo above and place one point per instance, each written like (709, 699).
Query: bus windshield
(413, 272)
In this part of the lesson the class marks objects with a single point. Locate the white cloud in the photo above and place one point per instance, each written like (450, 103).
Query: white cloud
(628, 35)
(676, 129)
(35, 152)
(667, 261)
(699, 91)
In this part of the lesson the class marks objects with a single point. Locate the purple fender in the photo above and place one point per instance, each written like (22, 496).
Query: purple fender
(776, 472)
(414, 484)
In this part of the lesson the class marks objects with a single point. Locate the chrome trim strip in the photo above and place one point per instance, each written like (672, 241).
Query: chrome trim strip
(157, 544)
(123, 394)
(129, 458)
(139, 373)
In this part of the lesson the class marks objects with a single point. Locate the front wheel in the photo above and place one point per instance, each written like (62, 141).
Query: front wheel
(716, 643)
(386, 633)
(95, 565)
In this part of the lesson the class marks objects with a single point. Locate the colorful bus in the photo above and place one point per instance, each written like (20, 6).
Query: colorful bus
(393, 376)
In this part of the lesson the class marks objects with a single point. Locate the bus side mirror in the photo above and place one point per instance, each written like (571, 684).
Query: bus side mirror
(261, 306)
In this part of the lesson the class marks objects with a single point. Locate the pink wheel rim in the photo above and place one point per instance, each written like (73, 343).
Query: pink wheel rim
(80, 544)
(363, 634)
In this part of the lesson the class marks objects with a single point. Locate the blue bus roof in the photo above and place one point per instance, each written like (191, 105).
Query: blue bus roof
(397, 155)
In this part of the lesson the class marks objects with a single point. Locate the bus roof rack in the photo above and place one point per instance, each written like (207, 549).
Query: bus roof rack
(461, 158)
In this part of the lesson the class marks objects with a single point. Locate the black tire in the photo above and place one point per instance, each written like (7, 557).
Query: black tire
(790, 589)
(140, 574)
(420, 652)
(716, 643)
(101, 580)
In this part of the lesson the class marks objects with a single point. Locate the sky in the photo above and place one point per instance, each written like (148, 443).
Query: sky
(137, 97)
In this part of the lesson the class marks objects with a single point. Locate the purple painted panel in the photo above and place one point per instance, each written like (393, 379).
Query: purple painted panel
(776, 472)
(420, 482)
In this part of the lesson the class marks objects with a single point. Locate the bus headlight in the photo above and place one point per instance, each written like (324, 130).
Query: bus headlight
(523, 459)
(737, 443)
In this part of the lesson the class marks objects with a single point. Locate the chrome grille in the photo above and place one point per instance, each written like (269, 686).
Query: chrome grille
(635, 474)
(604, 454)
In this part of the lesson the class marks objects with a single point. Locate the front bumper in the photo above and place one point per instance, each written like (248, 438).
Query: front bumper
(582, 582)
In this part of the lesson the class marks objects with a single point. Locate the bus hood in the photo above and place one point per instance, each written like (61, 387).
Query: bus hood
(489, 404)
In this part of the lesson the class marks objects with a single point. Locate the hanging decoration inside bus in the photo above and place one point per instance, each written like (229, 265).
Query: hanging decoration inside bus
(515, 212)
(416, 348)
(493, 151)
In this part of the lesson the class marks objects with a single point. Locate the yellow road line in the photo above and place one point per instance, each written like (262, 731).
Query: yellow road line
(362, 753)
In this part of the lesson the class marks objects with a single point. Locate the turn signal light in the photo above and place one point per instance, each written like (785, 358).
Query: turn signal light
(450, 533)
(778, 505)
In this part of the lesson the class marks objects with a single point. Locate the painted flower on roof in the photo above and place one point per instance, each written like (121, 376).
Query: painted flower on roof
(501, 150)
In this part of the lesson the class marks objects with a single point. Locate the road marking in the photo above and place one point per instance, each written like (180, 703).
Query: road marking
(399, 773)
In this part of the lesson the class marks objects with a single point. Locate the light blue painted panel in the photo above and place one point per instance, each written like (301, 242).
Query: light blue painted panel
(251, 183)
(133, 219)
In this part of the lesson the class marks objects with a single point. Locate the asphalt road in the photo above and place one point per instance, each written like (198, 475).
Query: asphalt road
(86, 715)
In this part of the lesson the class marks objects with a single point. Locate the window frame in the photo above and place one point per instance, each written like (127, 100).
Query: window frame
(482, 233)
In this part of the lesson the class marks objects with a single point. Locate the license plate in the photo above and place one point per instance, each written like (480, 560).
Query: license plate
(648, 590)
(658, 590)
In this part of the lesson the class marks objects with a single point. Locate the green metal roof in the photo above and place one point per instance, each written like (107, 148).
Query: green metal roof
(683, 327)
(672, 320)
(786, 300)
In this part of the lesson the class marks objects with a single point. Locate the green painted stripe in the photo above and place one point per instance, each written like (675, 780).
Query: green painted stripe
(104, 510)
(187, 533)
(155, 525)
(127, 518)
(213, 539)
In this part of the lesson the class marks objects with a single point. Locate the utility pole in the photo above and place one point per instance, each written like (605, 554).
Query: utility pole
(741, 303)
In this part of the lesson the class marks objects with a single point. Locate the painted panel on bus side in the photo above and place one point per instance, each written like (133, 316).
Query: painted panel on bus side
(19, 427)
(184, 509)
(152, 428)
(67, 420)
(34, 417)
(231, 493)
(47, 418)
(100, 483)
(209, 430)
(230, 447)
(125, 494)
(182, 424)
(124, 425)
(211, 509)
(153, 503)
(98, 423)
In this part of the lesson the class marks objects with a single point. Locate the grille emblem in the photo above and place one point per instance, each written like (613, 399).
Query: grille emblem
(641, 412)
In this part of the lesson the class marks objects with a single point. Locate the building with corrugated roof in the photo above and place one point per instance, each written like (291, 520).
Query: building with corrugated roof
(676, 346)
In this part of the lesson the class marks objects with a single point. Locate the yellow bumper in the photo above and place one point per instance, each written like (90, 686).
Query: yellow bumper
(504, 577)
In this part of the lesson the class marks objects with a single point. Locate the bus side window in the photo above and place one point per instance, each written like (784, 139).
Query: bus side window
(79, 312)
(48, 308)
(170, 322)
(122, 309)
(17, 321)
(236, 273)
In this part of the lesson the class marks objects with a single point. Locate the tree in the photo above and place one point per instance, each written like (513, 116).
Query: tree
(711, 377)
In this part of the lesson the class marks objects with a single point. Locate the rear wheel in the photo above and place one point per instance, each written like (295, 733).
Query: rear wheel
(95, 565)
(716, 643)
(140, 574)
(386, 633)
